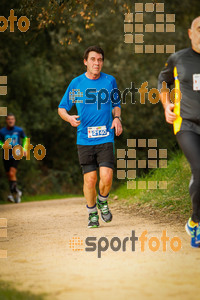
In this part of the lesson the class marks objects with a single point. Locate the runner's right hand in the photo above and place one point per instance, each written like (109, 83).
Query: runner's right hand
(170, 116)
(73, 121)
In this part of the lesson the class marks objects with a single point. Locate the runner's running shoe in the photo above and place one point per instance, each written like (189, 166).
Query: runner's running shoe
(11, 198)
(191, 229)
(93, 221)
(18, 195)
(198, 235)
(106, 215)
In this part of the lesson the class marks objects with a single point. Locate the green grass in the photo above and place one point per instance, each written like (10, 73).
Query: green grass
(7, 292)
(27, 198)
(175, 198)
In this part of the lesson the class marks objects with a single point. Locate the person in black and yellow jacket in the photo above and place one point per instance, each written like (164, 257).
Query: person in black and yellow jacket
(183, 69)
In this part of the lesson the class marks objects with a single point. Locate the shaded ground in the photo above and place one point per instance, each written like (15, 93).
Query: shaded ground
(41, 261)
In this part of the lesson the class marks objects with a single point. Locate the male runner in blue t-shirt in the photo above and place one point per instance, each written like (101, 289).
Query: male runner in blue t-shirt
(18, 137)
(96, 98)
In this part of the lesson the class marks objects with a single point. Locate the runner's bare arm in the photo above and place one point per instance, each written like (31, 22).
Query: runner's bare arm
(70, 119)
(116, 121)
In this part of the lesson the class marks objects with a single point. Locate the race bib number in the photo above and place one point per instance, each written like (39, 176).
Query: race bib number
(196, 82)
(98, 131)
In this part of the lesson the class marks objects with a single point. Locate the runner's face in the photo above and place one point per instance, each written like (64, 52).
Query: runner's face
(194, 35)
(94, 63)
(10, 121)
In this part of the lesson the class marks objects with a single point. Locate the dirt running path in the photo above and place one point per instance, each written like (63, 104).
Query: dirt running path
(41, 261)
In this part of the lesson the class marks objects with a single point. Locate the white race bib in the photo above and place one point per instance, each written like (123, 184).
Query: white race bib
(196, 82)
(97, 131)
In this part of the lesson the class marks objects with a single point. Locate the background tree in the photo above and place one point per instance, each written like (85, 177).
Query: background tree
(41, 62)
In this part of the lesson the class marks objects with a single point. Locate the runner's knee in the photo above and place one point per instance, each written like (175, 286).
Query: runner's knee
(106, 178)
(90, 180)
(11, 173)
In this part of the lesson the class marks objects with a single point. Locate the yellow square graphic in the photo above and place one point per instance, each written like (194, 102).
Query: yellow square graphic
(149, 7)
(162, 153)
(121, 153)
(170, 48)
(163, 163)
(3, 111)
(3, 222)
(121, 174)
(163, 185)
(152, 142)
(131, 185)
(142, 185)
(152, 185)
(149, 48)
(3, 253)
(159, 7)
(131, 153)
(159, 27)
(121, 163)
(160, 49)
(131, 164)
(131, 174)
(138, 48)
(149, 28)
(139, 17)
(128, 39)
(128, 27)
(3, 232)
(138, 27)
(170, 17)
(170, 28)
(138, 7)
(160, 18)
(152, 153)
(129, 17)
(142, 164)
(3, 90)
(141, 142)
(152, 164)
(3, 79)
(139, 38)
(131, 143)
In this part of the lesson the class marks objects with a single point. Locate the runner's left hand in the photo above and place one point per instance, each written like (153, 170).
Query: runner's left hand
(118, 126)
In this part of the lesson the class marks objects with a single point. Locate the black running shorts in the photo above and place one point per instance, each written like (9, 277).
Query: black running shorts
(10, 163)
(93, 156)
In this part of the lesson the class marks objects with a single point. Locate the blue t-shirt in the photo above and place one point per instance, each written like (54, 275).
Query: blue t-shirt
(94, 100)
(15, 133)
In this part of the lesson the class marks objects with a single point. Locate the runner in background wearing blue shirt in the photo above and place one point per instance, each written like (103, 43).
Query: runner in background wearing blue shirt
(98, 114)
(18, 137)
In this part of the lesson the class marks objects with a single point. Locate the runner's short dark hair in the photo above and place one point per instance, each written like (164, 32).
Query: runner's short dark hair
(95, 49)
(10, 115)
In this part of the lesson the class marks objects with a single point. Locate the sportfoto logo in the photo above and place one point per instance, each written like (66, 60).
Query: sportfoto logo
(147, 19)
(18, 151)
(128, 164)
(23, 22)
(116, 244)
(116, 96)
(3, 92)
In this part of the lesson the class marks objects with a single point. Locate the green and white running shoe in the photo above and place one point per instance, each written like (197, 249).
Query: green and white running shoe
(93, 221)
(10, 198)
(18, 195)
(106, 215)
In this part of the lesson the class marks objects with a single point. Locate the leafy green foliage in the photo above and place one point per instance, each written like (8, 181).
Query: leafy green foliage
(41, 62)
